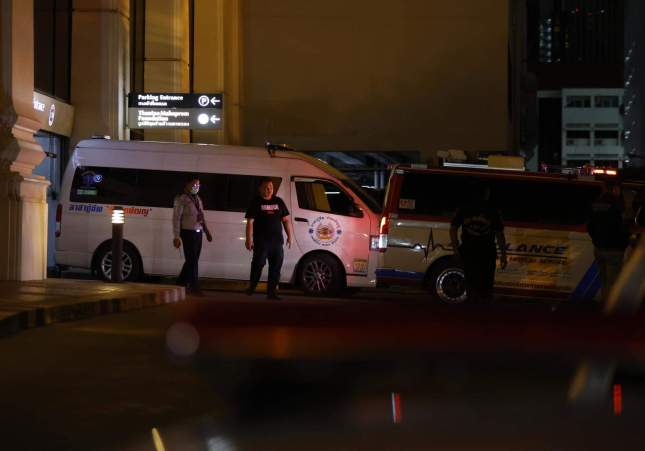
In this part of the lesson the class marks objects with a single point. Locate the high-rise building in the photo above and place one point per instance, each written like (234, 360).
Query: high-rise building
(575, 45)
(578, 31)
(634, 60)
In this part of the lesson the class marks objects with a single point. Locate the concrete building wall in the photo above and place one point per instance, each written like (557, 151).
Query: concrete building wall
(378, 75)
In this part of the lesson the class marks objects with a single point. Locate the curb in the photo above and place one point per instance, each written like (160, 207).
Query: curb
(16, 316)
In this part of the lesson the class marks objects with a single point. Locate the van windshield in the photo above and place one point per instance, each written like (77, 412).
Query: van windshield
(371, 202)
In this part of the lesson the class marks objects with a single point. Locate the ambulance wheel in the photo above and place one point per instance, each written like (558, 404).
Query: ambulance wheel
(132, 269)
(321, 275)
(446, 282)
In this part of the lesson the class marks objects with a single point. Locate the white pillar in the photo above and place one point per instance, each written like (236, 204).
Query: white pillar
(100, 73)
(217, 64)
(166, 66)
(23, 204)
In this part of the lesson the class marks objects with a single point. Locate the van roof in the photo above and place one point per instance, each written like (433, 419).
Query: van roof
(493, 173)
(160, 146)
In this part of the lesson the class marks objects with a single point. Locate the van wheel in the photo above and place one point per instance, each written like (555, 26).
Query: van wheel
(446, 282)
(321, 275)
(132, 268)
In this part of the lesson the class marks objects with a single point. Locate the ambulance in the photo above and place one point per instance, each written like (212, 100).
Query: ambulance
(549, 251)
(335, 224)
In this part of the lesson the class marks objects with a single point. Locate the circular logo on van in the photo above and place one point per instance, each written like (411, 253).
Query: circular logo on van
(325, 231)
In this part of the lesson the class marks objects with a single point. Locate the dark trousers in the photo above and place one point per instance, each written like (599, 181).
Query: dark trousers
(479, 272)
(189, 275)
(610, 262)
(261, 253)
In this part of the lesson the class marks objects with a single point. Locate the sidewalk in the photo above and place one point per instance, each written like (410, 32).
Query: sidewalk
(24, 305)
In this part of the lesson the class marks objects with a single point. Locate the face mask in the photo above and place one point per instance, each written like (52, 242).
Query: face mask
(194, 189)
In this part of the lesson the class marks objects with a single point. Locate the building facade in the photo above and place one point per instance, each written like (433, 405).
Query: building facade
(572, 45)
(592, 127)
(634, 61)
(397, 78)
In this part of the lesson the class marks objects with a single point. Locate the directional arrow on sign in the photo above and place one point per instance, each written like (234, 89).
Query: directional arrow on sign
(214, 119)
(215, 100)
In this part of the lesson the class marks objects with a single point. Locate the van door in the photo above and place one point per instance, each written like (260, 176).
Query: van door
(327, 218)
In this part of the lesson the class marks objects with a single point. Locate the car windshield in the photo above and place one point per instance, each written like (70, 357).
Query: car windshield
(368, 199)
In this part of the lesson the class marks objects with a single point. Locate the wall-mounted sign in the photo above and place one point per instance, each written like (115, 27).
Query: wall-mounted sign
(166, 110)
(54, 116)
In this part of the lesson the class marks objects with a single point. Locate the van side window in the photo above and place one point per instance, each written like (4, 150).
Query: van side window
(231, 192)
(543, 202)
(524, 201)
(320, 195)
(432, 194)
(158, 188)
(242, 189)
(153, 188)
(105, 185)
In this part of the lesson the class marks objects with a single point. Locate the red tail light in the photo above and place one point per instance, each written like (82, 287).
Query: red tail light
(384, 228)
(59, 216)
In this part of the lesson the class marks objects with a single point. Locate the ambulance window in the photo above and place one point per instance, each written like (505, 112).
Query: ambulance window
(432, 194)
(543, 202)
(320, 195)
(517, 200)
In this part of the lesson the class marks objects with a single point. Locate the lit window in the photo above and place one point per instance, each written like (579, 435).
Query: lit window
(578, 102)
(606, 101)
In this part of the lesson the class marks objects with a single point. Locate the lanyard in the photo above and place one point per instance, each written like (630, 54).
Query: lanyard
(200, 213)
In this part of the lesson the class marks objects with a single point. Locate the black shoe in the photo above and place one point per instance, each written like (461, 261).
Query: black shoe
(273, 297)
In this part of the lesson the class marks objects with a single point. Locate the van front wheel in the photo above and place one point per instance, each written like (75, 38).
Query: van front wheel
(131, 263)
(321, 275)
(446, 282)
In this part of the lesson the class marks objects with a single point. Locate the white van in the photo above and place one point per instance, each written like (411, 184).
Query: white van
(334, 222)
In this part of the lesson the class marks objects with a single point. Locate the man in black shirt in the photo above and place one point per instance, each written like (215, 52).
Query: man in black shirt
(609, 234)
(480, 226)
(266, 216)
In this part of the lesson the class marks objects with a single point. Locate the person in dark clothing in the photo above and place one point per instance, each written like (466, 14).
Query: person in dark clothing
(480, 226)
(188, 224)
(609, 234)
(266, 216)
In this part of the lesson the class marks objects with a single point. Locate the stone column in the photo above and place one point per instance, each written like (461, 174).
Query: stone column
(167, 46)
(23, 204)
(100, 74)
(217, 64)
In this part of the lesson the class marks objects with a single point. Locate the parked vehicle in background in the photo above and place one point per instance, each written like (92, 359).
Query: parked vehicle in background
(549, 251)
(335, 224)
